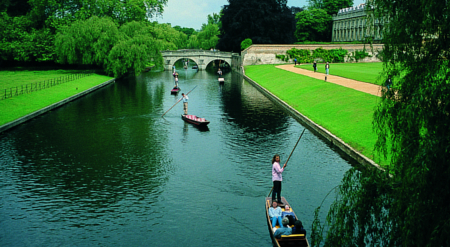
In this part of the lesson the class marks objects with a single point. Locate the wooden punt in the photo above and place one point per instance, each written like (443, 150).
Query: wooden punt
(195, 120)
(175, 90)
(285, 240)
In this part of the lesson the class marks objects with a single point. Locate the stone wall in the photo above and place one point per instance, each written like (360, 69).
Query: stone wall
(265, 54)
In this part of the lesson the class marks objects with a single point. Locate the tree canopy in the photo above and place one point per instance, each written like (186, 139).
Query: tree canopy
(410, 207)
(262, 21)
(115, 35)
(313, 25)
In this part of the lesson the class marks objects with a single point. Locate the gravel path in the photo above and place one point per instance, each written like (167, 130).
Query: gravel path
(357, 85)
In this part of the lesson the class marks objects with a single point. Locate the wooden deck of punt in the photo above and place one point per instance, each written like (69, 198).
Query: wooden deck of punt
(201, 122)
(285, 240)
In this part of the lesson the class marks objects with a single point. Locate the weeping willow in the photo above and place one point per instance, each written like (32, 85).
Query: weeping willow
(408, 203)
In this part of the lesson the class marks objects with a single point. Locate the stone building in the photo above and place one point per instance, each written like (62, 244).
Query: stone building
(355, 24)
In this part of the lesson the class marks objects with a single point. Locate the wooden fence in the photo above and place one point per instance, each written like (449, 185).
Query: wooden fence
(36, 86)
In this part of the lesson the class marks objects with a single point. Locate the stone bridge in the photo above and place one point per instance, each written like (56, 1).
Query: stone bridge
(201, 57)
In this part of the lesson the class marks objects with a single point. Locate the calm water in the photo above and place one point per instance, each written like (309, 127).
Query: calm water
(108, 170)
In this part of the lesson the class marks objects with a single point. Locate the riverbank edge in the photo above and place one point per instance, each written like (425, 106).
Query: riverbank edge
(332, 139)
(44, 110)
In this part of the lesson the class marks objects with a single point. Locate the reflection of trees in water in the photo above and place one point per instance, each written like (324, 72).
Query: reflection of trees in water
(251, 110)
(99, 149)
(254, 124)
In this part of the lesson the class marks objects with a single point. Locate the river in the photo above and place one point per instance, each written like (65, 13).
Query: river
(108, 170)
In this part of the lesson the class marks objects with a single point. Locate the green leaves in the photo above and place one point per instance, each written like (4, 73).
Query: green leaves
(246, 43)
(412, 123)
(313, 25)
(262, 21)
(98, 41)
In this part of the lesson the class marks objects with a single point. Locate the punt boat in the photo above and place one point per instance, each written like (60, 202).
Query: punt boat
(285, 240)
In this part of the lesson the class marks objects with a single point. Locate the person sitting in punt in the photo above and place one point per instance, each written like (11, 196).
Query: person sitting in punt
(298, 228)
(284, 230)
(275, 214)
(289, 214)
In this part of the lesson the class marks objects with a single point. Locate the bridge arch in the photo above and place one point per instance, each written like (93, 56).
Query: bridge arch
(201, 57)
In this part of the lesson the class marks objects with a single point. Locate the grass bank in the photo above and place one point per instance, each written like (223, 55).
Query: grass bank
(366, 72)
(22, 105)
(345, 112)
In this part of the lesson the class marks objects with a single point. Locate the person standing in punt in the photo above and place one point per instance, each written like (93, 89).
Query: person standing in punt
(185, 103)
(276, 177)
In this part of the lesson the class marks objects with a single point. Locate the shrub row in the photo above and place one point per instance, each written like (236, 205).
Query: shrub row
(333, 55)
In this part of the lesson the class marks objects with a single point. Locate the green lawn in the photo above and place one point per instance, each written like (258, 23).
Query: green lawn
(345, 112)
(13, 78)
(366, 72)
(19, 106)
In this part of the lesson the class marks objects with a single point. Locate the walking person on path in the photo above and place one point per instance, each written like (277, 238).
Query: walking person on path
(327, 70)
(277, 178)
(315, 66)
(295, 61)
(185, 103)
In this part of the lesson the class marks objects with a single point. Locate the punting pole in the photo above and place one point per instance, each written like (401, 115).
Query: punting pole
(291, 154)
(177, 102)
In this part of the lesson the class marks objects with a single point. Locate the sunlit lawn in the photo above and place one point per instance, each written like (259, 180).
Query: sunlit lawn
(13, 78)
(21, 105)
(345, 112)
(366, 72)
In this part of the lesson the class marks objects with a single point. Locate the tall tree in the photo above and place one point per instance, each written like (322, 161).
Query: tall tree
(333, 6)
(411, 208)
(263, 21)
(185, 30)
(313, 25)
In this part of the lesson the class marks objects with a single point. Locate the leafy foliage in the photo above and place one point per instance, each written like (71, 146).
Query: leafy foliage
(208, 37)
(263, 21)
(246, 43)
(412, 123)
(333, 6)
(185, 30)
(19, 42)
(305, 56)
(28, 29)
(86, 42)
(313, 25)
(118, 50)
(358, 55)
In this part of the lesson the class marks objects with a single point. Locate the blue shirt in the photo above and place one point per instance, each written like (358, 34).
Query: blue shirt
(185, 99)
(282, 231)
(275, 212)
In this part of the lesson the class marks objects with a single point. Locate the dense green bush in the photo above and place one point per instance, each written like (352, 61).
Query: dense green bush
(338, 55)
(303, 55)
(358, 55)
(306, 56)
(246, 43)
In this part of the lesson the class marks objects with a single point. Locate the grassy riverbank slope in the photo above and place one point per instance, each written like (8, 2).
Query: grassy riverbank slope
(22, 105)
(345, 112)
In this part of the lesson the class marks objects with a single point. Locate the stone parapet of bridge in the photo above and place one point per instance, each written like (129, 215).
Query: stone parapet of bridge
(201, 57)
(266, 54)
